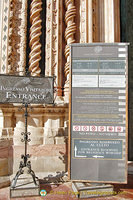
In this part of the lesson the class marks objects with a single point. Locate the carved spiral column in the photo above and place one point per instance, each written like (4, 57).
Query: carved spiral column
(69, 36)
(35, 32)
(35, 119)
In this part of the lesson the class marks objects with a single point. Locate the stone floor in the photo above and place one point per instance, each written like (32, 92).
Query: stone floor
(64, 191)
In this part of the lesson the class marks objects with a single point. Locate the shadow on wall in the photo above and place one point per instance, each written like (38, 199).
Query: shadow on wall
(64, 156)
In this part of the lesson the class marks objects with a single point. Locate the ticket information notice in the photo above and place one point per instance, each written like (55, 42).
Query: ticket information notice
(98, 113)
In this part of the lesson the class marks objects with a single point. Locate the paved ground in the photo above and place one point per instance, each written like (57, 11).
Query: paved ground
(64, 192)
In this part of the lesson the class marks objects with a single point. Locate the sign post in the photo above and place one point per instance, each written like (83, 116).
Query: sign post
(98, 113)
(26, 90)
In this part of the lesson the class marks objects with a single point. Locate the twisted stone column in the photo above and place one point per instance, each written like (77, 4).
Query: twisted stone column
(69, 36)
(35, 119)
(35, 32)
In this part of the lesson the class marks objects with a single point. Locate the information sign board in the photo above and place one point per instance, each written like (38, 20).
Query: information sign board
(98, 112)
(29, 89)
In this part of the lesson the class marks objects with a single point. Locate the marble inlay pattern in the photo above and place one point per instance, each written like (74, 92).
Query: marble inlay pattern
(4, 36)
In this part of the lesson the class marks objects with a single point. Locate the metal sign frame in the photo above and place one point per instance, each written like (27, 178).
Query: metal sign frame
(71, 138)
(26, 91)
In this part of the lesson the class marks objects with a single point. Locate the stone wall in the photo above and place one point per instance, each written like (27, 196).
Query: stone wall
(67, 21)
(6, 158)
(49, 134)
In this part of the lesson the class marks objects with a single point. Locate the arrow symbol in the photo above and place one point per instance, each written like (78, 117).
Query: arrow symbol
(77, 156)
(75, 149)
(98, 156)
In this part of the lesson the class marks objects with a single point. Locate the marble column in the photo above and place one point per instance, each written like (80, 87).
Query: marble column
(109, 20)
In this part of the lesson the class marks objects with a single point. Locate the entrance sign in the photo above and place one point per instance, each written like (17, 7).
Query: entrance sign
(98, 113)
(19, 89)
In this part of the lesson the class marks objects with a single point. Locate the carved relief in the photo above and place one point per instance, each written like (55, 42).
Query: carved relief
(83, 21)
(23, 33)
(95, 7)
(17, 36)
(54, 42)
(48, 39)
(35, 32)
(69, 36)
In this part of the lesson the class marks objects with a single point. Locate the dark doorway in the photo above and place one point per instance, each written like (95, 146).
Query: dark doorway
(126, 16)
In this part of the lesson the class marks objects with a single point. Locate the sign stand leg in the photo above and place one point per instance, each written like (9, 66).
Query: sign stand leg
(25, 163)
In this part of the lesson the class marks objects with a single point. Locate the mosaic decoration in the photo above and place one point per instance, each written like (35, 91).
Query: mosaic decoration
(4, 38)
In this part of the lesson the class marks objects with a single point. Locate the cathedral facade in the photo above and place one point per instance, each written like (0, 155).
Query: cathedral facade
(36, 36)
